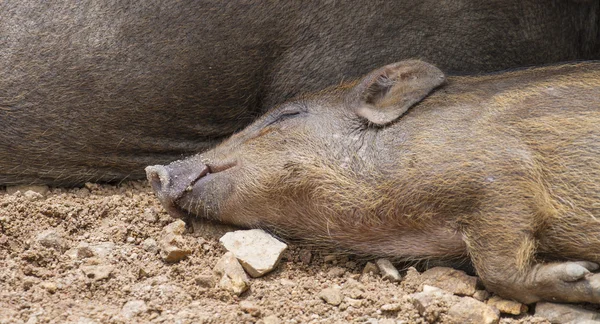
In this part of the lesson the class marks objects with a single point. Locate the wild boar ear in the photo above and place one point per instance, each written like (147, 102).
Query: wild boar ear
(386, 93)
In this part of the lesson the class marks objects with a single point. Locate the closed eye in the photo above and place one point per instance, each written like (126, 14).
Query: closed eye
(284, 115)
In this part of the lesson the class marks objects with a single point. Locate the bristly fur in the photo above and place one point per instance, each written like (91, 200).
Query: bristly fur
(500, 170)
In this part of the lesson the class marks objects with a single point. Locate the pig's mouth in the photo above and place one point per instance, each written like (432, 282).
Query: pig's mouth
(184, 193)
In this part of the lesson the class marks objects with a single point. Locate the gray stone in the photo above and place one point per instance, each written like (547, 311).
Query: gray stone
(305, 256)
(471, 311)
(150, 245)
(426, 302)
(388, 271)
(257, 251)
(332, 296)
(506, 306)
(133, 308)
(231, 274)
(452, 280)
(564, 313)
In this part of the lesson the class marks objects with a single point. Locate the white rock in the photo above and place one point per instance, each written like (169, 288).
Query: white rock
(388, 271)
(257, 251)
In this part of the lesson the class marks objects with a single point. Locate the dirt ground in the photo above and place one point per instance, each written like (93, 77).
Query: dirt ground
(123, 279)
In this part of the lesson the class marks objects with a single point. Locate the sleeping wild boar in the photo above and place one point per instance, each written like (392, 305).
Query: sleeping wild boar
(500, 169)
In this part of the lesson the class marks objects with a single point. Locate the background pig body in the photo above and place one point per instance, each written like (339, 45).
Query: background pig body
(95, 90)
(502, 170)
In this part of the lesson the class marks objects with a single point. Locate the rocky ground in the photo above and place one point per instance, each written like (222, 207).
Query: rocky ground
(110, 254)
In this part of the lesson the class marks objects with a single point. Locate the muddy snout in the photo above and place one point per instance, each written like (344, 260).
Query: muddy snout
(171, 182)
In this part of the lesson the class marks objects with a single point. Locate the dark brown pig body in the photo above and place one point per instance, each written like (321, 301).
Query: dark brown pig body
(96, 90)
(502, 170)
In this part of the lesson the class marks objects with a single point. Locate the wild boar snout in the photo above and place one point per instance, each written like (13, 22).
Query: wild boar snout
(179, 184)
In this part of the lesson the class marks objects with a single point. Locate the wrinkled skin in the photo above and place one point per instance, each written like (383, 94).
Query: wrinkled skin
(502, 170)
(96, 90)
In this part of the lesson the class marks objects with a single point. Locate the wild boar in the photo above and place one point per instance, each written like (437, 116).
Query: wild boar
(95, 90)
(502, 170)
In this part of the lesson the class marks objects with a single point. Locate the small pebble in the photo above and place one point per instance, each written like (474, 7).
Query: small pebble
(471, 311)
(371, 268)
(332, 296)
(305, 256)
(507, 306)
(391, 307)
(49, 287)
(150, 245)
(481, 295)
(336, 272)
(388, 271)
(206, 281)
(173, 247)
(97, 272)
(231, 275)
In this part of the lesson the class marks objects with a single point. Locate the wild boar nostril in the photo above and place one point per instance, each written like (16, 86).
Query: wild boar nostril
(158, 176)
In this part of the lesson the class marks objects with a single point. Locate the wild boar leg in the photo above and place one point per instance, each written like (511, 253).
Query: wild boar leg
(503, 247)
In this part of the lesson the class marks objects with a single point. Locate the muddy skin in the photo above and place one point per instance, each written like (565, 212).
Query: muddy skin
(501, 170)
(97, 90)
